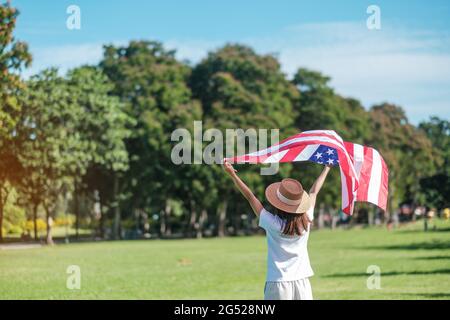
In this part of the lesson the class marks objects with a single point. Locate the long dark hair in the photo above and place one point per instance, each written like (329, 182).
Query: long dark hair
(294, 224)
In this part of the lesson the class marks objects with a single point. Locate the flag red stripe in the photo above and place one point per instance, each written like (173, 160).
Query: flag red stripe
(344, 159)
(354, 188)
(326, 135)
(292, 154)
(382, 198)
(364, 176)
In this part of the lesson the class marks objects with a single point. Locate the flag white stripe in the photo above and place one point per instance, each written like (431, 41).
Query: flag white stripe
(358, 156)
(329, 132)
(324, 139)
(344, 189)
(375, 178)
(307, 152)
(309, 141)
(295, 140)
(305, 139)
(276, 157)
(319, 138)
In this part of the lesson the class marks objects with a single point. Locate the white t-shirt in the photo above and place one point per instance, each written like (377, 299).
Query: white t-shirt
(287, 256)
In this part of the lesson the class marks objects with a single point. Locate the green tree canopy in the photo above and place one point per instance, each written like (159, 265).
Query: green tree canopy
(153, 84)
(407, 151)
(437, 187)
(14, 56)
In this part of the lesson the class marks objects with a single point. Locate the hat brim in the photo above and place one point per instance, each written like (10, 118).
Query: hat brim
(271, 195)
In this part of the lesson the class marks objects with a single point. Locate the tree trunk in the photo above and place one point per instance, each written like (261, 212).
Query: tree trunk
(334, 219)
(371, 216)
(35, 206)
(168, 231)
(193, 225)
(48, 218)
(116, 228)
(222, 214)
(237, 222)
(201, 223)
(249, 223)
(162, 224)
(3, 198)
(102, 219)
(165, 229)
(77, 210)
(389, 212)
(320, 222)
(1, 215)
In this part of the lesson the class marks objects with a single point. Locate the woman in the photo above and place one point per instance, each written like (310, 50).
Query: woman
(287, 231)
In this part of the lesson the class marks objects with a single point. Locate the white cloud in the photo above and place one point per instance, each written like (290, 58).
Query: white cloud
(192, 50)
(403, 66)
(64, 57)
(407, 67)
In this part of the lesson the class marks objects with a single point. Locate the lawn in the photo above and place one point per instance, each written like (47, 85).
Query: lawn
(414, 265)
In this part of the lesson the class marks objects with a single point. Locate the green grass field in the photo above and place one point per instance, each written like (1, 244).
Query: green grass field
(414, 265)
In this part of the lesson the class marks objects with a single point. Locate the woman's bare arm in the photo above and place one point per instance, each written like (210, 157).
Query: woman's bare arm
(243, 188)
(318, 184)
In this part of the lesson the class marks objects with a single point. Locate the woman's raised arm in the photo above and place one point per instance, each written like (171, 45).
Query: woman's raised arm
(318, 184)
(243, 188)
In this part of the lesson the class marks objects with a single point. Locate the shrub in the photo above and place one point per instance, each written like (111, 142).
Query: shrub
(63, 221)
(9, 228)
(15, 230)
(40, 223)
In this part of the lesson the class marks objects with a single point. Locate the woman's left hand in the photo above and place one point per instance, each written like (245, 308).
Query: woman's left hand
(228, 167)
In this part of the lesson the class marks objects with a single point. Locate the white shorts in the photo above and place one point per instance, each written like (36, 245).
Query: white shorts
(288, 290)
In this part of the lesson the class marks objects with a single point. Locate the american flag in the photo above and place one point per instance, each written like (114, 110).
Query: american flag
(364, 174)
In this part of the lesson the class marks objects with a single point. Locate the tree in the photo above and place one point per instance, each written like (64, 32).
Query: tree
(13, 57)
(103, 133)
(52, 146)
(438, 131)
(319, 107)
(153, 85)
(407, 151)
(103, 125)
(437, 187)
(240, 89)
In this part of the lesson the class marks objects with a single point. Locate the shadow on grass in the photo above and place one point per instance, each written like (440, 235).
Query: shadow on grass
(432, 258)
(433, 245)
(391, 273)
(431, 230)
(430, 295)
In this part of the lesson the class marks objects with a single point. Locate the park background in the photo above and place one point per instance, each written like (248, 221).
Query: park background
(85, 149)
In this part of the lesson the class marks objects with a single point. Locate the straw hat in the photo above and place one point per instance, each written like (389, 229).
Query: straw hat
(289, 196)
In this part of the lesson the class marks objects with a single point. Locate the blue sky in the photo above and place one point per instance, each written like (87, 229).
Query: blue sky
(406, 62)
